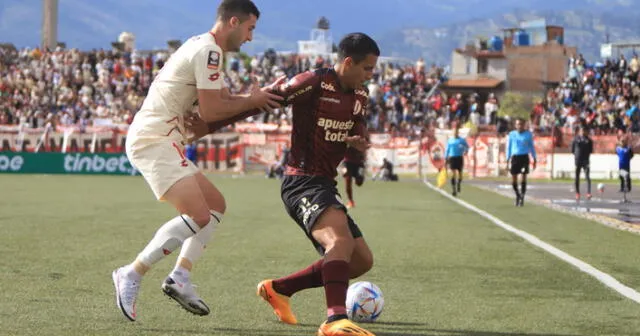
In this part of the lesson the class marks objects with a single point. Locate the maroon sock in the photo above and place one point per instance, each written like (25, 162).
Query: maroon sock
(335, 276)
(310, 277)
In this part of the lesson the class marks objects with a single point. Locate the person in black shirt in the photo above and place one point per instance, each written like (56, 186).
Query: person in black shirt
(582, 147)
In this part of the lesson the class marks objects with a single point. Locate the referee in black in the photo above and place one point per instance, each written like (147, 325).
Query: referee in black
(582, 147)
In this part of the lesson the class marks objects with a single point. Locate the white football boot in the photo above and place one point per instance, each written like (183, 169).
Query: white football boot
(185, 295)
(126, 293)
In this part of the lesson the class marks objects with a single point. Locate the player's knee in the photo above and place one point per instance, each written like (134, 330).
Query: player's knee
(201, 217)
(359, 182)
(340, 245)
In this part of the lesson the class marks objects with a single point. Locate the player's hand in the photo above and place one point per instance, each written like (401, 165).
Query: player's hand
(196, 127)
(535, 164)
(358, 143)
(264, 100)
(276, 85)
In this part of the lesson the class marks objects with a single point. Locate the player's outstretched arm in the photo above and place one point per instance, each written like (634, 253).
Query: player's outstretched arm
(216, 125)
(298, 89)
(214, 102)
(214, 107)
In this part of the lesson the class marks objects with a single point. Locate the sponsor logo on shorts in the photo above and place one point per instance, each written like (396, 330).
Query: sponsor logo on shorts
(214, 77)
(307, 209)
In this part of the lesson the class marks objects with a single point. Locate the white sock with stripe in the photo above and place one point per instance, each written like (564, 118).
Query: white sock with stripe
(168, 238)
(193, 247)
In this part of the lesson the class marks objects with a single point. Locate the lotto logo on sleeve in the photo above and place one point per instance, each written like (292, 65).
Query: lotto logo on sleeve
(213, 60)
(214, 77)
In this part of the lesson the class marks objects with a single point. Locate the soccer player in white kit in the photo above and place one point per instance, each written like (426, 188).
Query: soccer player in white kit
(155, 145)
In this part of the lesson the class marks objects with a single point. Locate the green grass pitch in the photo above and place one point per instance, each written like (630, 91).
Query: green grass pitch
(443, 269)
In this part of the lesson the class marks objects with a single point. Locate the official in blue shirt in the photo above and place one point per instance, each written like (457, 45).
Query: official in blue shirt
(625, 154)
(457, 147)
(519, 146)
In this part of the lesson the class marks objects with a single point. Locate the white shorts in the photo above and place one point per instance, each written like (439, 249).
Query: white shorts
(161, 163)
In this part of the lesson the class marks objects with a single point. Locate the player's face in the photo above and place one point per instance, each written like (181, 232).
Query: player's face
(241, 32)
(519, 125)
(360, 73)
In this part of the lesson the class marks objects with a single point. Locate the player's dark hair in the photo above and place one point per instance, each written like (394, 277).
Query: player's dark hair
(239, 8)
(357, 46)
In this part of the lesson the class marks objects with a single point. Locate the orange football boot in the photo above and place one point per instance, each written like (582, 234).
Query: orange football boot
(279, 302)
(342, 327)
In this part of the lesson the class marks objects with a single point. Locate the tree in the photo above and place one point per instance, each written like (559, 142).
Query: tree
(514, 105)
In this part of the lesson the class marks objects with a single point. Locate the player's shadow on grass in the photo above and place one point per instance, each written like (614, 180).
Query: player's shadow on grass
(236, 331)
(403, 331)
(423, 329)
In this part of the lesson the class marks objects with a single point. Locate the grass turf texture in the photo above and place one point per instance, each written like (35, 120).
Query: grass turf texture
(443, 269)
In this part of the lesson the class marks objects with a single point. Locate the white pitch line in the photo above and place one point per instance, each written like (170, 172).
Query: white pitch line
(605, 278)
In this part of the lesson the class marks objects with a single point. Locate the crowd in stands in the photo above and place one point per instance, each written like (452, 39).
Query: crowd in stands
(66, 87)
(603, 97)
(99, 87)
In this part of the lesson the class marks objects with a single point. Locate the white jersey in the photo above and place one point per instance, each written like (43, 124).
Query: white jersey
(197, 64)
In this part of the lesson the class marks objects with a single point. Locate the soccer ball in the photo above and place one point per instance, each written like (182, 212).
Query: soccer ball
(601, 187)
(364, 302)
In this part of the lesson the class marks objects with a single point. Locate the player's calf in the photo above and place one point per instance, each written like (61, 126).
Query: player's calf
(361, 260)
(167, 239)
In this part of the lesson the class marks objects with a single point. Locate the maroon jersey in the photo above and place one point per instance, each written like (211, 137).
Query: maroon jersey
(324, 114)
(353, 155)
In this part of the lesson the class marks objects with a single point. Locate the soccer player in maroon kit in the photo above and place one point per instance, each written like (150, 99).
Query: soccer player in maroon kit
(328, 116)
(353, 170)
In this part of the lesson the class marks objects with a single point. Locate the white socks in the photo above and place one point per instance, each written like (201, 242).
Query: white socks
(169, 237)
(180, 274)
(131, 273)
(193, 247)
